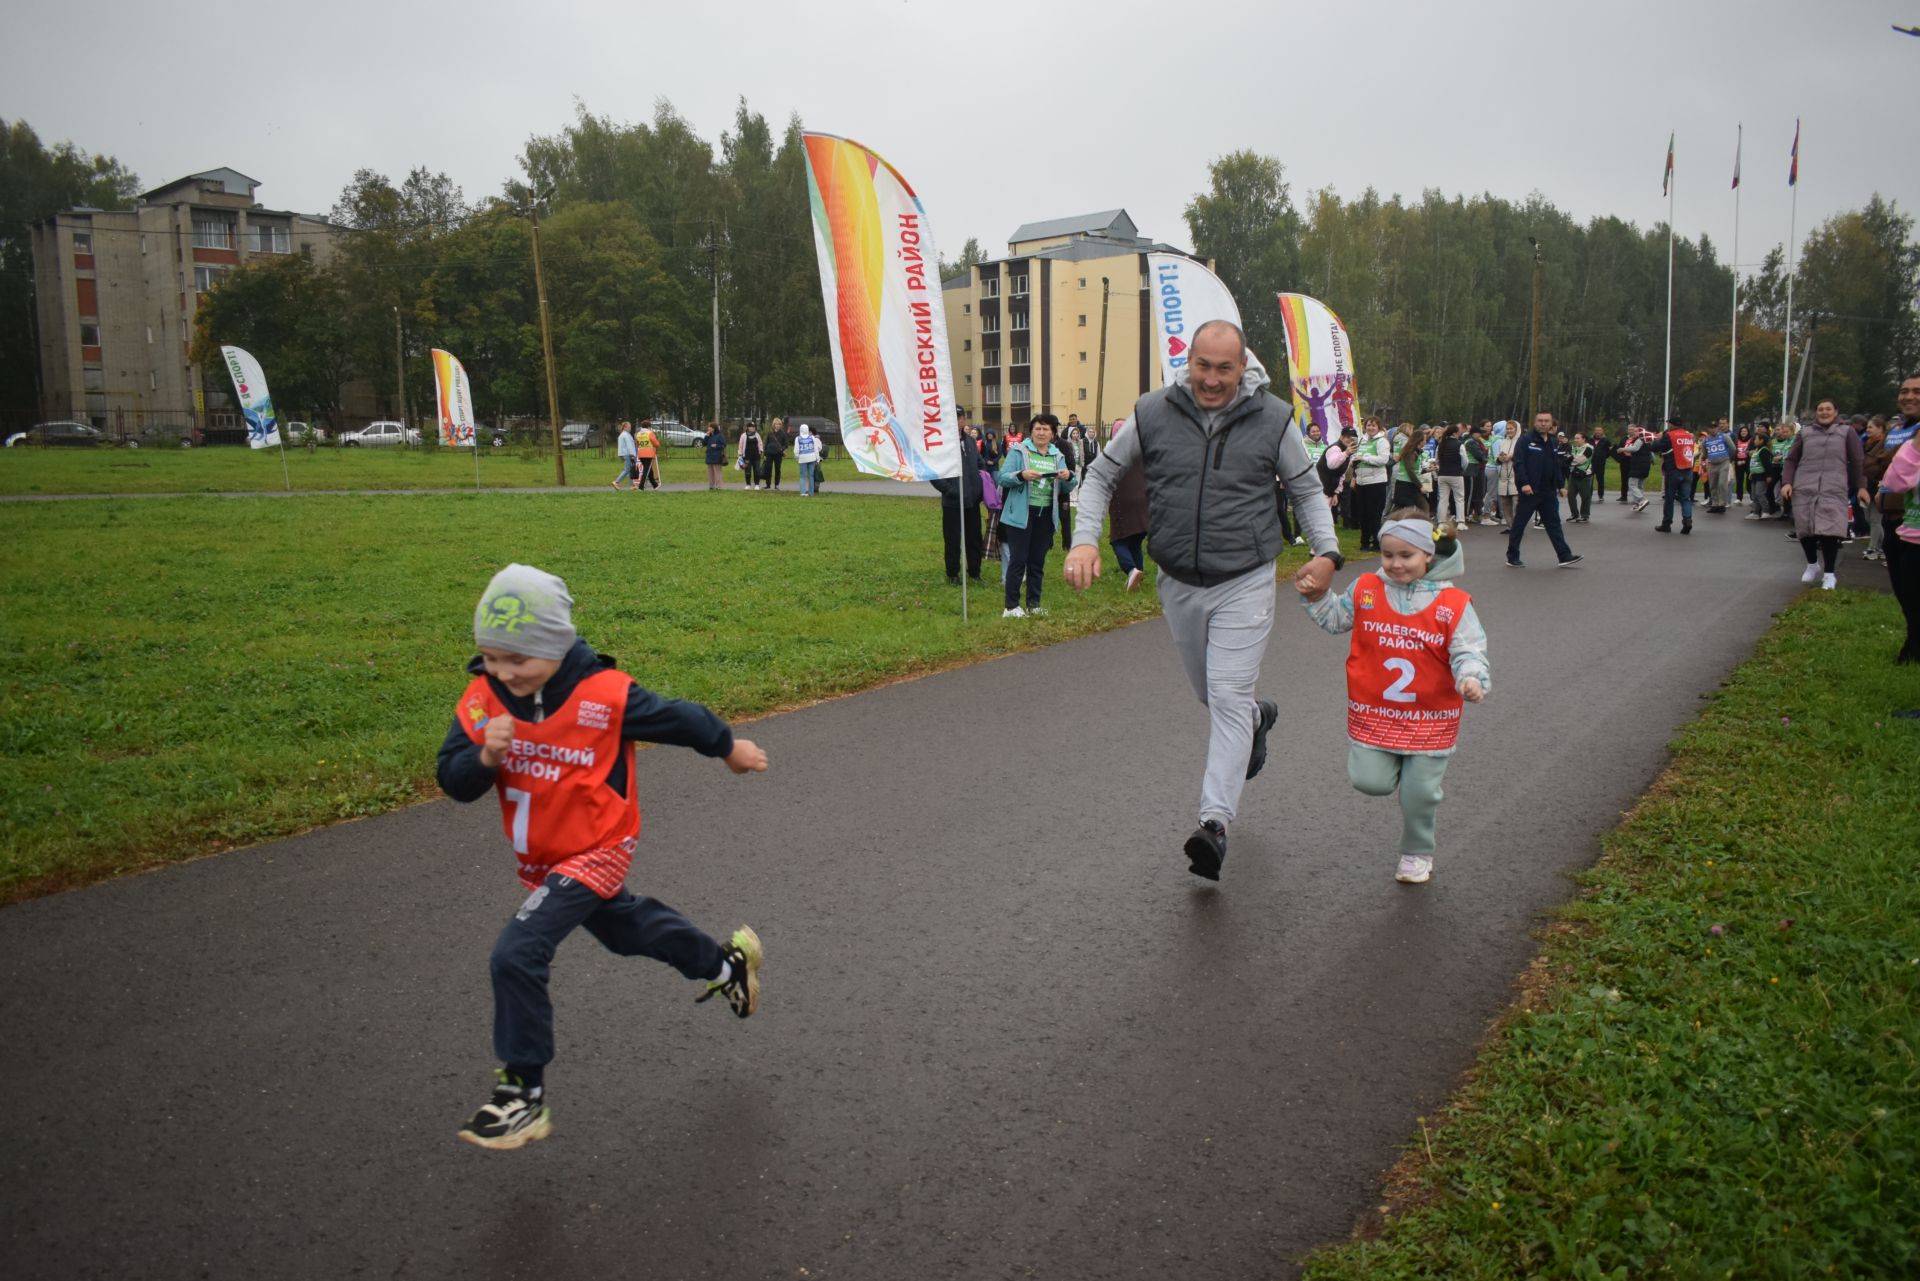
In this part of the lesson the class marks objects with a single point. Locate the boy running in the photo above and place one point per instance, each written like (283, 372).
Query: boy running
(546, 722)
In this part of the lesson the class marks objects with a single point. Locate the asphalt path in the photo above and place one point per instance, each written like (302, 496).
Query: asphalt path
(879, 488)
(1004, 1033)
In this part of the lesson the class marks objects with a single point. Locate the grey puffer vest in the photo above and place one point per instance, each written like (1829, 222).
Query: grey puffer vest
(1210, 501)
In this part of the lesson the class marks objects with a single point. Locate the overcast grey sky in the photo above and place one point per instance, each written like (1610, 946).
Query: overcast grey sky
(1000, 112)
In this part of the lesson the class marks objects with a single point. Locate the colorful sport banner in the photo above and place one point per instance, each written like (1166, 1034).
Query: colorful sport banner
(1186, 295)
(256, 403)
(1321, 361)
(456, 400)
(886, 323)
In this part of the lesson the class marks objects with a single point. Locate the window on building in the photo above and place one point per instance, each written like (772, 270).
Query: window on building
(210, 232)
(143, 242)
(990, 358)
(1018, 319)
(183, 329)
(93, 379)
(1083, 393)
(1017, 285)
(1022, 393)
(989, 324)
(1083, 357)
(83, 242)
(1083, 320)
(966, 309)
(205, 278)
(1083, 282)
(990, 286)
(1020, 355)
(990, 394)
(89, 333)
(153, 381)
(969, 380)
(270, 238)
(966, 344)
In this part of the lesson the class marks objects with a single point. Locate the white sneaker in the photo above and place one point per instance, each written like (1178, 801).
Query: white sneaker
(1642, 504)
(1015, 612)
(1414, 869)
(1826, 582)
(1133, 579)
(1037, 611)
(1812, 574)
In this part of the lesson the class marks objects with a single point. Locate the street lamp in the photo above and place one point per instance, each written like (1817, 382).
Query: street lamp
(546, 341)
(1533, 348)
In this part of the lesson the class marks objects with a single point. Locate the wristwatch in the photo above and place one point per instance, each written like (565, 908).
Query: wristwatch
(1339, 561)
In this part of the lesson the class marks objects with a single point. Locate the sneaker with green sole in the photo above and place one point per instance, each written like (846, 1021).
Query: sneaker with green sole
(742, 985)
(517, 1115)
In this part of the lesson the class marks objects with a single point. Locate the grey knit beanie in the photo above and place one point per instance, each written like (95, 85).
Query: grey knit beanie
(525, 611)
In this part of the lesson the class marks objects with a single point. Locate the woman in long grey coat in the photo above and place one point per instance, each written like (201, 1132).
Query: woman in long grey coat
(1825, 472)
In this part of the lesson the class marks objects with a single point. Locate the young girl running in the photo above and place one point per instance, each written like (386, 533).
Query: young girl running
(1418, 650)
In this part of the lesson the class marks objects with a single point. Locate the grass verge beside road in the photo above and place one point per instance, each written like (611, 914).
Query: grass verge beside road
(233, 469)
(196, 673)
(1712, 1071)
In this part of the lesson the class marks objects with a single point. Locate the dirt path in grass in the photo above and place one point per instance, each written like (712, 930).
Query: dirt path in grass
(1004, 1032)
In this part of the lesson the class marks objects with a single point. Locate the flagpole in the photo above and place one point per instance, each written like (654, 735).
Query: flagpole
(1793, 221)
(1733, 346)
(284, 470)
(1666, 394)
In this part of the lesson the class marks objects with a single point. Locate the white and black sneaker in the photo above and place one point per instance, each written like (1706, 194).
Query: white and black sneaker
(516, 1117)
(1264, 715)
(741, 986)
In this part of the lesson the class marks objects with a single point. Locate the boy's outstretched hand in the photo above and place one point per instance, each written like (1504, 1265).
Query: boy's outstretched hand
(746, 757)
(1470, 689)
(498, 741)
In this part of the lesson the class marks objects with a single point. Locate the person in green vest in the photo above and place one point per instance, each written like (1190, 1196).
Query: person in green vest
(1580, 480)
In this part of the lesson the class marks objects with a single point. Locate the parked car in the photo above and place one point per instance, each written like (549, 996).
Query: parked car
(827, 429)
(166, 436)
(381, 433)
(58, 433)
(300, 433)
(672, 432)
(576, 436)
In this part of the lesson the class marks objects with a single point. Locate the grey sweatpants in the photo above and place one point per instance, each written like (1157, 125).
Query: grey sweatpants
(1221, 635)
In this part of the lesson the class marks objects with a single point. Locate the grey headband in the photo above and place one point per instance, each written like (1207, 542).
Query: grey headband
(1417, 532)
(525, 611)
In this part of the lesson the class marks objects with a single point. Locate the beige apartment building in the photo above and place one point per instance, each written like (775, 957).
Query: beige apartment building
(116, 291)
(1026, 330)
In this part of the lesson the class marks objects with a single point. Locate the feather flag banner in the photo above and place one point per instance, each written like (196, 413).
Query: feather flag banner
(886, 322)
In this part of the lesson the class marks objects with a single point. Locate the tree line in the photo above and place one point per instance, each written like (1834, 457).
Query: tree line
(641, 224)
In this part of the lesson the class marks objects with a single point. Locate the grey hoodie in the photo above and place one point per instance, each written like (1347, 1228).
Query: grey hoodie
(1210, 480)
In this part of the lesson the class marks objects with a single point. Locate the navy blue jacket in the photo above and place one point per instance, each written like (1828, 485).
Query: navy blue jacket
(1536, 462)
(963, 490)
(650, 719)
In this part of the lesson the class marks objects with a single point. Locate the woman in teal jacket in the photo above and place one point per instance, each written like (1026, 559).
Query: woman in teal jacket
(1027, 489)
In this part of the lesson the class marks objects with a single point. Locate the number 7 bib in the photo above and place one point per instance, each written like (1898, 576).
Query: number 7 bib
(1400, 694)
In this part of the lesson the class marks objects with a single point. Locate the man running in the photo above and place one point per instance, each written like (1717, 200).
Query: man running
(1212, 443)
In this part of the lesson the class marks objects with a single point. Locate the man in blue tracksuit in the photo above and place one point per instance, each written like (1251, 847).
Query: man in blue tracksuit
(1538, 475)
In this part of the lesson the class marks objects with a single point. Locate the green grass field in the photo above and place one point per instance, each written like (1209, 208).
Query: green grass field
(1714, 1073)
(196, 673)
(233, 469)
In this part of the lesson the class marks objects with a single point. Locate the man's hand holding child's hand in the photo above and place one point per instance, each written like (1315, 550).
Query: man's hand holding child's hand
(498, 742)
(1470, 689)
(746, 757)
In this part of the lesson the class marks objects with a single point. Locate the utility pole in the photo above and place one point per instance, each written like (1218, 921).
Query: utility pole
(1533, 352)
(1100, 388)
(400, 366)
(713, 265)
(546, 344)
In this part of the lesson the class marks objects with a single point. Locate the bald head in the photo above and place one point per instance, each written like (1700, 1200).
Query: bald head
(1215, 363)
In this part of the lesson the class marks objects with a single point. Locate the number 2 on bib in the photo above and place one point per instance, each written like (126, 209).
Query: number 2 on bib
(1394, 693)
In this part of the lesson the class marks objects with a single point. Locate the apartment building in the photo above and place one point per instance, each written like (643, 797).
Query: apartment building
(116, 291)
(1027, 330)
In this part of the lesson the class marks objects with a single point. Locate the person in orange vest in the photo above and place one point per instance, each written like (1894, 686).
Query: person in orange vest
(647, 446)
(1678, 451)
(548, 724)
(1418, 653)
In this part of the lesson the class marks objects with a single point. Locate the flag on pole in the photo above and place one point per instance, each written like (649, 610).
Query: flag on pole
(1321, 361)
(1666, 178)
(1736, 156)
(1185, 296)
(455, 395)
(886, 323)
(1793, 167)
(256, 403)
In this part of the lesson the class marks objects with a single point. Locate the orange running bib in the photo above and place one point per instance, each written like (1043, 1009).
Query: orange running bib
(1400, 694)
(557, 800)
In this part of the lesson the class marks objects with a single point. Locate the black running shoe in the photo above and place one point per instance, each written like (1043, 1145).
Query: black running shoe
(742, 987)
(1663, 529)
(516, 1117)
(1265, 714)
(1514, 564)
(1207, 849)
(1574, 559)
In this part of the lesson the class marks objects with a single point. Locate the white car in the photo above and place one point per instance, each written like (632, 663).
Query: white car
(673, 433)
(381, 433)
